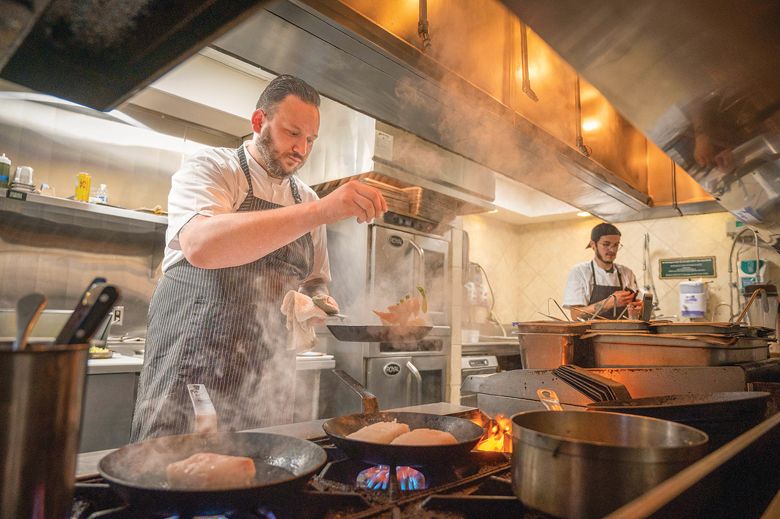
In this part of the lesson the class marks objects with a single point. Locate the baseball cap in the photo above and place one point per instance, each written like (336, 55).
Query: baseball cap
(602, 229)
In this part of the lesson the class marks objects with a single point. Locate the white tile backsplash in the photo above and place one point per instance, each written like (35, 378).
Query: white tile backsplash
(527, 264)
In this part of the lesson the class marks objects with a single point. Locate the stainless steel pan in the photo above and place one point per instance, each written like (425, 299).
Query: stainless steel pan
(466, 433)
(137, 471)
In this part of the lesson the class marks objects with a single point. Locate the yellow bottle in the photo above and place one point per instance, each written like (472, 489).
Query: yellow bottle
(82, 187)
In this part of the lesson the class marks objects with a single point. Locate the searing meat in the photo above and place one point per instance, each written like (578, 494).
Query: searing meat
(425, 436)
(379, 432)
(206, 470)
(409, 311)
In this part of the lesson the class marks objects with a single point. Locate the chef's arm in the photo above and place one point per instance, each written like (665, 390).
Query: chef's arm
(618, 299)
(587, 312)
(233, 239)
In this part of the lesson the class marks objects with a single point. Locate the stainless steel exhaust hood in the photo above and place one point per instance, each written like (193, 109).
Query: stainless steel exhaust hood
(351, 59)
(700, 78)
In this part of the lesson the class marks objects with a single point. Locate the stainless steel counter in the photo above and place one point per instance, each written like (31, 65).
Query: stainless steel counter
(496, 347)
(88, 461)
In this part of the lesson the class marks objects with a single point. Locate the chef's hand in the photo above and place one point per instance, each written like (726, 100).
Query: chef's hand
(635, 309)
(353, 199)
(621, 298)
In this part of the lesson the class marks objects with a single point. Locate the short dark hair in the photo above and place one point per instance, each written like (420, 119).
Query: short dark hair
(602, 229)
(283, 86)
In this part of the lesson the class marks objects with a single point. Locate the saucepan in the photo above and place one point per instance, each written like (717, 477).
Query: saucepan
(283, 463)
(580, 465)
(466, 432)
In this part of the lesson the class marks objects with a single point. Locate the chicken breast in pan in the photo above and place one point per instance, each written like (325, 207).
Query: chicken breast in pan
(206, 470)
(379, 432)
(423, 436)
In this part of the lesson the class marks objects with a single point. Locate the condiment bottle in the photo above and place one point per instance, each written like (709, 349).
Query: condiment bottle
(102, 194)
(5, 171)
(82, 187)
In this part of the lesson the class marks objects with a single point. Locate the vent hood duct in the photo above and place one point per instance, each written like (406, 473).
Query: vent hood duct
(350, 59)
(700, 78)
(98, 53)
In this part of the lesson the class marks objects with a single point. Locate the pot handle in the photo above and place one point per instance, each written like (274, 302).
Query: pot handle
(370, 403)
(549, 399)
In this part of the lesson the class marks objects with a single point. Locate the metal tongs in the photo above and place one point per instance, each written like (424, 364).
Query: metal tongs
(332, 312)
(753, 297)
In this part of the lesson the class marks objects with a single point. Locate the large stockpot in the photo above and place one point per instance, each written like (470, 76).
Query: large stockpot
(575, 464)
(41, 393)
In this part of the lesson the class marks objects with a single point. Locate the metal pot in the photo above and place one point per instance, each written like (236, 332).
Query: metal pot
(723, 416)
(577, 465)
(41, 392)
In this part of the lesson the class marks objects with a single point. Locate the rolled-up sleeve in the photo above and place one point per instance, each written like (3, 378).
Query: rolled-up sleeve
(199, 187)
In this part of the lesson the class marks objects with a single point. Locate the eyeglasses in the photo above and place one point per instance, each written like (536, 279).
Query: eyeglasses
(608, 245)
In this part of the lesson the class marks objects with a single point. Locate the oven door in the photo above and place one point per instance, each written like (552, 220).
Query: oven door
(399, 381)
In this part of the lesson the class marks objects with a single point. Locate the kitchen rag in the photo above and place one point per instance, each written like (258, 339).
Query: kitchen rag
(301, 315)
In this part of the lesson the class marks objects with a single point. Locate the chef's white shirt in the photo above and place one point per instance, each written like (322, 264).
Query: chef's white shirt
(211, 182)
(579, 285)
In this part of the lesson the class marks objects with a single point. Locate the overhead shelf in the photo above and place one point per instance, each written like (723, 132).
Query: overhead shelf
(81, 214)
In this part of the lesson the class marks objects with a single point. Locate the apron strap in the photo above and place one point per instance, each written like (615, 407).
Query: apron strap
(593, 272)
(245, 168)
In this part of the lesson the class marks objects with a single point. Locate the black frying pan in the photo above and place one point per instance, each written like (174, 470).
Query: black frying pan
(378, 333)
(283, 463)
(466, 432)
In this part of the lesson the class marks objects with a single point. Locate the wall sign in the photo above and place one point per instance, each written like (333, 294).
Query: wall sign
(675, 268)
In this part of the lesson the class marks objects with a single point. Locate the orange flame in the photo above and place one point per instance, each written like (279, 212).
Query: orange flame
(498, 434)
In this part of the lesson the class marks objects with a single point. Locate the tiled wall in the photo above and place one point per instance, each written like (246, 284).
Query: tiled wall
(527, 264)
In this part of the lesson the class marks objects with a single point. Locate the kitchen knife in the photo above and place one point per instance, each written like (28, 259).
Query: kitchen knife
(92, 309)
(70, 325)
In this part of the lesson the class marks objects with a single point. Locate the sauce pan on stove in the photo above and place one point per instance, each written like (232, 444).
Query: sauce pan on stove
(466, 433)
(283, 464)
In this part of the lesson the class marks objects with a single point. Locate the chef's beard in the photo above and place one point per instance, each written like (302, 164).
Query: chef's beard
(271, 157)
(603, 259)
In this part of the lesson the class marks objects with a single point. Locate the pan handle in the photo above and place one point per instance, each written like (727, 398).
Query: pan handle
(370, 404)
(418, 378)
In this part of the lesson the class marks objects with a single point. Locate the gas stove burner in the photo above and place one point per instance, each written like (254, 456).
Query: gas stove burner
(378, 478)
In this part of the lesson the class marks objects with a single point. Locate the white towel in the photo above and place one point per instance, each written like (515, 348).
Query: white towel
(301, 315)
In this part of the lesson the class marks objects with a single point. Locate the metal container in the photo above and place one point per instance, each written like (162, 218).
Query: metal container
(573, 328)
(618, 350)
(579, 465)
(550, 350)
(41, 391)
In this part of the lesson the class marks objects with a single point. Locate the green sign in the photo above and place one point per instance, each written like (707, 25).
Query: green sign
(687, 268)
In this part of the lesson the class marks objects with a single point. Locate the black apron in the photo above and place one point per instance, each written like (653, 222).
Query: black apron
(222, 328)
(601, 292)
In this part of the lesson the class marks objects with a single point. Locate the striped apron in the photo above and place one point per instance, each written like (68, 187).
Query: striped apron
(222, 328)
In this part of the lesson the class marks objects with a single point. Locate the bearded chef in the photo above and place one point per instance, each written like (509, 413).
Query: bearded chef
(601, 286)
(243, 231)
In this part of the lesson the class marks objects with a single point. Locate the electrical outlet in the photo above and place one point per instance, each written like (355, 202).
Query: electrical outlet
(117, 315)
